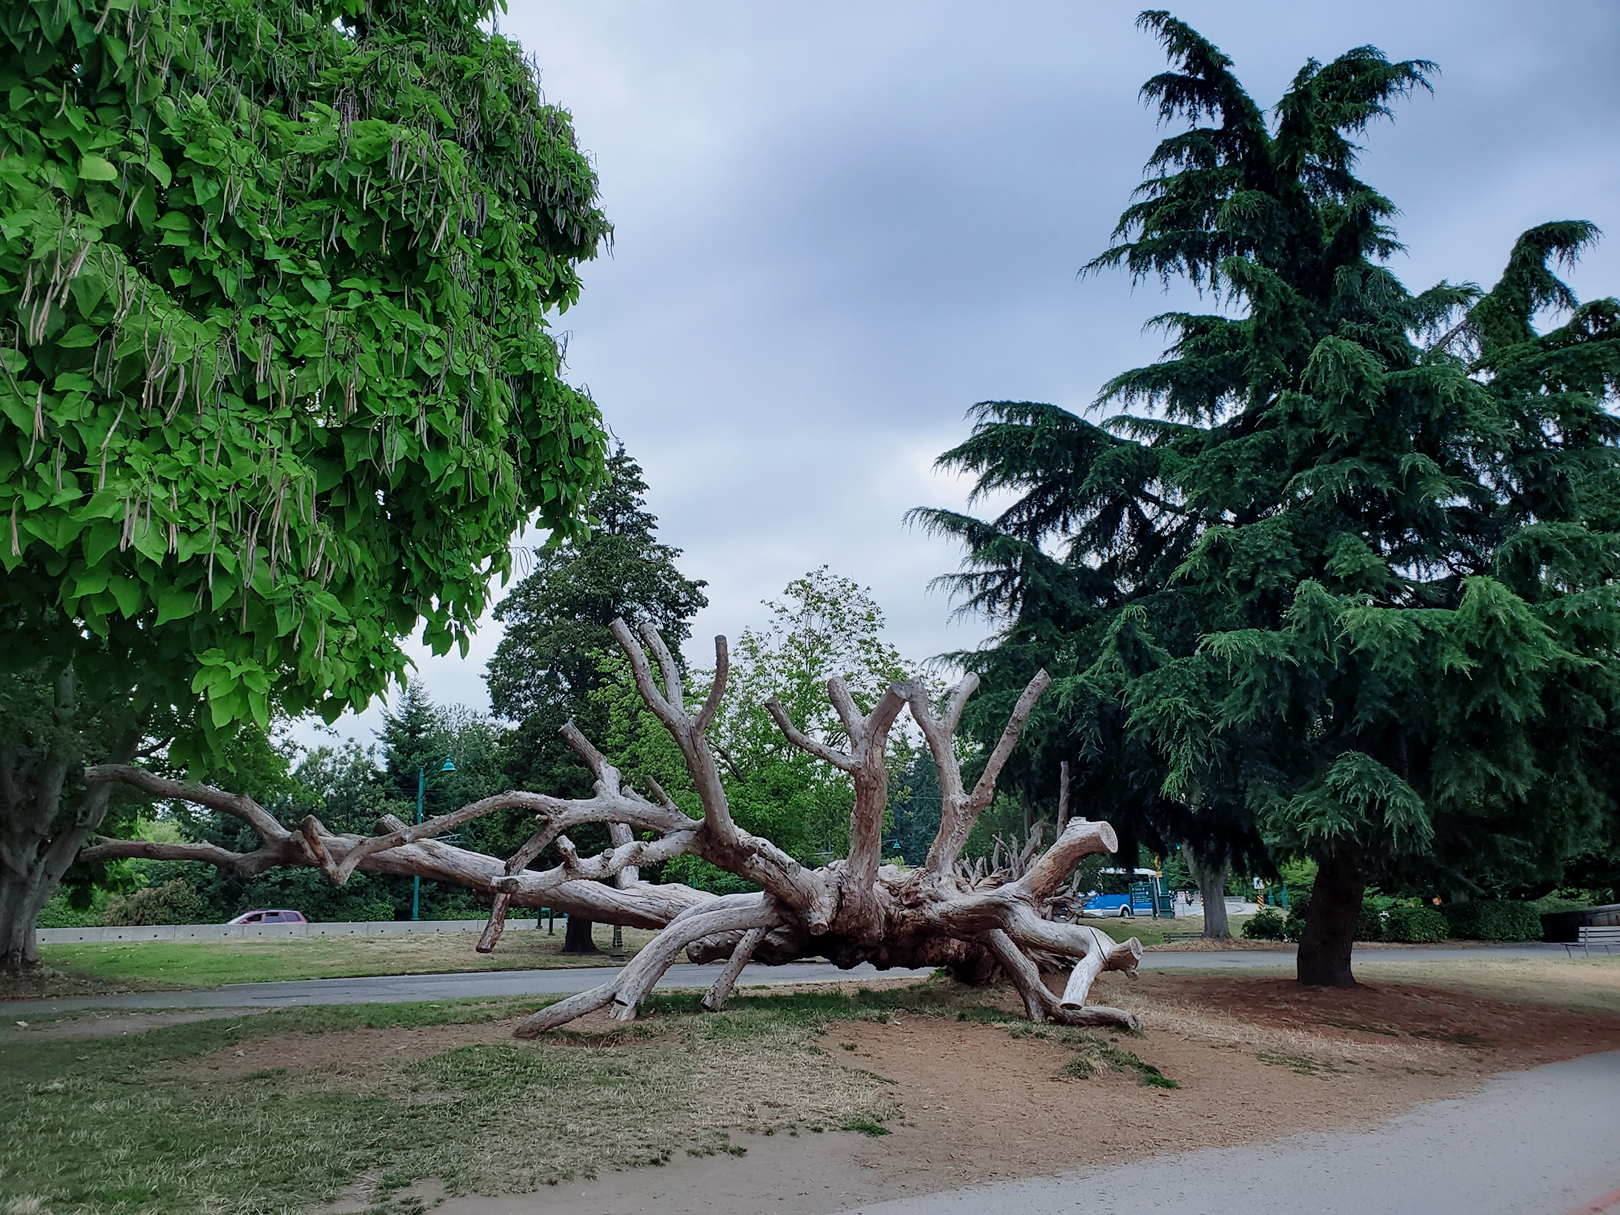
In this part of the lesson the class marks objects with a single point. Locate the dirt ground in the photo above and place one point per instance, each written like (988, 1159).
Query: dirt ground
(1253, 1058)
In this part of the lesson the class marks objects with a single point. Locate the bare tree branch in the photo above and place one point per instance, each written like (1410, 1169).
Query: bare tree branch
(720, 990)
(238, 805)
(722, 669)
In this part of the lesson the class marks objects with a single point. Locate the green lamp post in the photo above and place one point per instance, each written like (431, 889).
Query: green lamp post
(421, 791)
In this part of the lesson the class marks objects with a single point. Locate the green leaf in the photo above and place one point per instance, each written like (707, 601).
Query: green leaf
(128, 593)
(96, 168)
(176, 603)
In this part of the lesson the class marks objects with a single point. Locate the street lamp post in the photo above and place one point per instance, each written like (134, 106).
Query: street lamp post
(421, 791)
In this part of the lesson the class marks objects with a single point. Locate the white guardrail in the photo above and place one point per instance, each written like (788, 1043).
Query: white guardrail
(217, 932)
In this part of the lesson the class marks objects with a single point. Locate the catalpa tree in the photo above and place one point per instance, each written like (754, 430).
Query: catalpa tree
(277, 384)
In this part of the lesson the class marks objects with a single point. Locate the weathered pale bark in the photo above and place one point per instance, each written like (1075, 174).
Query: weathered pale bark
(974, 922)
(1330, 927)
(1211, 878)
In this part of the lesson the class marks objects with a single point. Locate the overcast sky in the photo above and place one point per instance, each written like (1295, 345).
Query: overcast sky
(839, 225)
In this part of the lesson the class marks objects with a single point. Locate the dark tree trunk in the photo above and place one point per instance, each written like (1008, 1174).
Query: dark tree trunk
(1330, 926)
(578, 936)
(46, 815)
(39, 837)
(1211, 879)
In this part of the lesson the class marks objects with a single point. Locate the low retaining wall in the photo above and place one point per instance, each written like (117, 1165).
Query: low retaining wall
(216, 932)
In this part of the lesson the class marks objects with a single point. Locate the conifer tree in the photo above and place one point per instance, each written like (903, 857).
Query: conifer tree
(549, 662)
(1345, 579)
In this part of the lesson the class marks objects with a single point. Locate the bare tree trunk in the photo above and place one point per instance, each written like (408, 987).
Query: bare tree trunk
(1330, 929)
(1211, 879)
(578, 938)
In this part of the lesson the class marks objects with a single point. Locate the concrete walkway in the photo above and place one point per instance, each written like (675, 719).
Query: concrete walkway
(1541, 1142)
(392, 989)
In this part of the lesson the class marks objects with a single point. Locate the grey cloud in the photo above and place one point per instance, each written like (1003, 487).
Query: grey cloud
(838, 225)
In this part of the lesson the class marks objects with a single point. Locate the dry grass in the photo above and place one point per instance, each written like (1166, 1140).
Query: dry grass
(1579, 984)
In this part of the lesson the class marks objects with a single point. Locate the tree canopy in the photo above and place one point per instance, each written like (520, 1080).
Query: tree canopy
(549, 660)
(1341, 575)
(279, 387)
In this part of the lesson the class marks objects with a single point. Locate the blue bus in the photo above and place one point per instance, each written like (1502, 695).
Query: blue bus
(1146, 896)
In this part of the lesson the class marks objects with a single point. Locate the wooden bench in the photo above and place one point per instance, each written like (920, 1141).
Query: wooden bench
(1603, 936)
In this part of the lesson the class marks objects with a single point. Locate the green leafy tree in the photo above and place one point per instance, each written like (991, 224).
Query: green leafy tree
(556, 620)
(279, 386)
(1349, 579)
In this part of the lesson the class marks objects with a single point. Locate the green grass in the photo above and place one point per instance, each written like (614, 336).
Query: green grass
(1093, 1053)
(1147, 931)
(172, 965)
(142, 1123)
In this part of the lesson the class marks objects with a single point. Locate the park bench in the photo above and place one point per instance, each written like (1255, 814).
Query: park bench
(1605, 936)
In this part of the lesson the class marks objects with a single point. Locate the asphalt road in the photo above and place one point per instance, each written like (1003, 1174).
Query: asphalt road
(394, 989)
(1540, 1142)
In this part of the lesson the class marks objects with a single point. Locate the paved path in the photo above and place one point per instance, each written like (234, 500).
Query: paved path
(391, 989)
(1541, 1142)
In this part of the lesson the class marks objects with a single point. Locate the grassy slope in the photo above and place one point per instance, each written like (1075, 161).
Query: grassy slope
(182, 964)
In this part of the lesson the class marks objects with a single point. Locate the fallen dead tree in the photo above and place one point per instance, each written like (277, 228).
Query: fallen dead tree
(975, 924)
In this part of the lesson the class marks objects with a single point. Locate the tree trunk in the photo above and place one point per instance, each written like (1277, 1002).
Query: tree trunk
(1330, 926)
(1211, 879)
(44, 820)
(578, 936)
(38, 840)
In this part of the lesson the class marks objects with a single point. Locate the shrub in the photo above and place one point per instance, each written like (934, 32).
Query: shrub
(1294, 925)
(1415, 925)
(175, 902)
(1493, 920)
(59, 913)
(1266, 926)
(1370, 925)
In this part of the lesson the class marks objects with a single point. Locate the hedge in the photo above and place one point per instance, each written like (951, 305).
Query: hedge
(1267, 925)
(1416, 925)
(1493, 920)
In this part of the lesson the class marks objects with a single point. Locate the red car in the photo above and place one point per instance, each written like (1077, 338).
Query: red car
(270, 917)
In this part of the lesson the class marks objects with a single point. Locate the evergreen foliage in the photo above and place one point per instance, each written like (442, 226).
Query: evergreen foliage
(1493, 920)
(1345, 579)
(1417, 925)
(550, 658)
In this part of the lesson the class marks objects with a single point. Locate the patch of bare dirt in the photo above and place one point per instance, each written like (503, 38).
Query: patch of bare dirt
(112, 1024)
(1254, 1058)
(356, 1059)
(44, 983)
